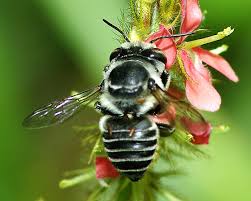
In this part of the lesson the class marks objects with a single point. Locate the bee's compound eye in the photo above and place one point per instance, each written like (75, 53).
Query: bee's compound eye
(115, 54)
(154, 54)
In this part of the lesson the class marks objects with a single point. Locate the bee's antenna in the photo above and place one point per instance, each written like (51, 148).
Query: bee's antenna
(117, 29)
(172, 36)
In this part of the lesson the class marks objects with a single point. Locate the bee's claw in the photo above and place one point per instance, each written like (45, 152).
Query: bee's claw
(167, 130)
(132, 131)
(110, 130)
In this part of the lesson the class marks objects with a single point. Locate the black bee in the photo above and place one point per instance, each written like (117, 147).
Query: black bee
(134, 87)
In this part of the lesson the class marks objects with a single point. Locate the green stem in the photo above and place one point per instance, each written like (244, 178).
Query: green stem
(137, 191)
(66, 183)
(168, 195)
(93, 196)
(94, 150)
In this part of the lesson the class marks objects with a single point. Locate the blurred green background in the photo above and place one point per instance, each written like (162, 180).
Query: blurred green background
(50, 47)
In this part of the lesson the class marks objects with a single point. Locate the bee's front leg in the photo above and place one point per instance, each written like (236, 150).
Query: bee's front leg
(152, 84)
(98, 106)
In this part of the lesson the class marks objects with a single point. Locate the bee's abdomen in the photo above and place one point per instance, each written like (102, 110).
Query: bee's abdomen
(130, 152)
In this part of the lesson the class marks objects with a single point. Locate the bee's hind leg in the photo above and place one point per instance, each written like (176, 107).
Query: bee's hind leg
(166, 130)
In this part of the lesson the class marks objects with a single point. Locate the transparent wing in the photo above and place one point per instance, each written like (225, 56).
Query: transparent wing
(60, 110)
(186, 110)
(176, 110)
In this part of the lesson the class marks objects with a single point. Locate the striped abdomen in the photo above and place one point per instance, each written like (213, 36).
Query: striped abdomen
(130, 144)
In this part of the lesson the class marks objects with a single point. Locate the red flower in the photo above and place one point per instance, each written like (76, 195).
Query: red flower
(191, 16)
(217, 62)
(105, 169)
(167, 46)
(199, 89)
(199, 130)
(197, 127)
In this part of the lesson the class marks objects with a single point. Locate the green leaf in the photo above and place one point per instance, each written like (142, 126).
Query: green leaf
(93, 196)
(168, 195)
(110, 192)
(88, 174)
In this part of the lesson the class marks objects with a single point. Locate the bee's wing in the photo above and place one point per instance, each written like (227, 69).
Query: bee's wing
(183, 110)
(60, 110)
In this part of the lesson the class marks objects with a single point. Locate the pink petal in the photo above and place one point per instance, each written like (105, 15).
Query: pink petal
(198, 65)
(105, 169)
(167, 45)
(199, 91)
(191, 16)
(217, 62)
(199, 130)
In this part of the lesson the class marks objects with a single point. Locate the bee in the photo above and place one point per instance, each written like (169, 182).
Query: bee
(134, 89)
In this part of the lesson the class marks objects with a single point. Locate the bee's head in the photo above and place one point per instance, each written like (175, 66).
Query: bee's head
(147, 51)
(132, 67)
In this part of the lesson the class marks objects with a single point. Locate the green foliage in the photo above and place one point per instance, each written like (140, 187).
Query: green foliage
(177, 77)
(146, 15)
(141, 14)
(169, 12)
